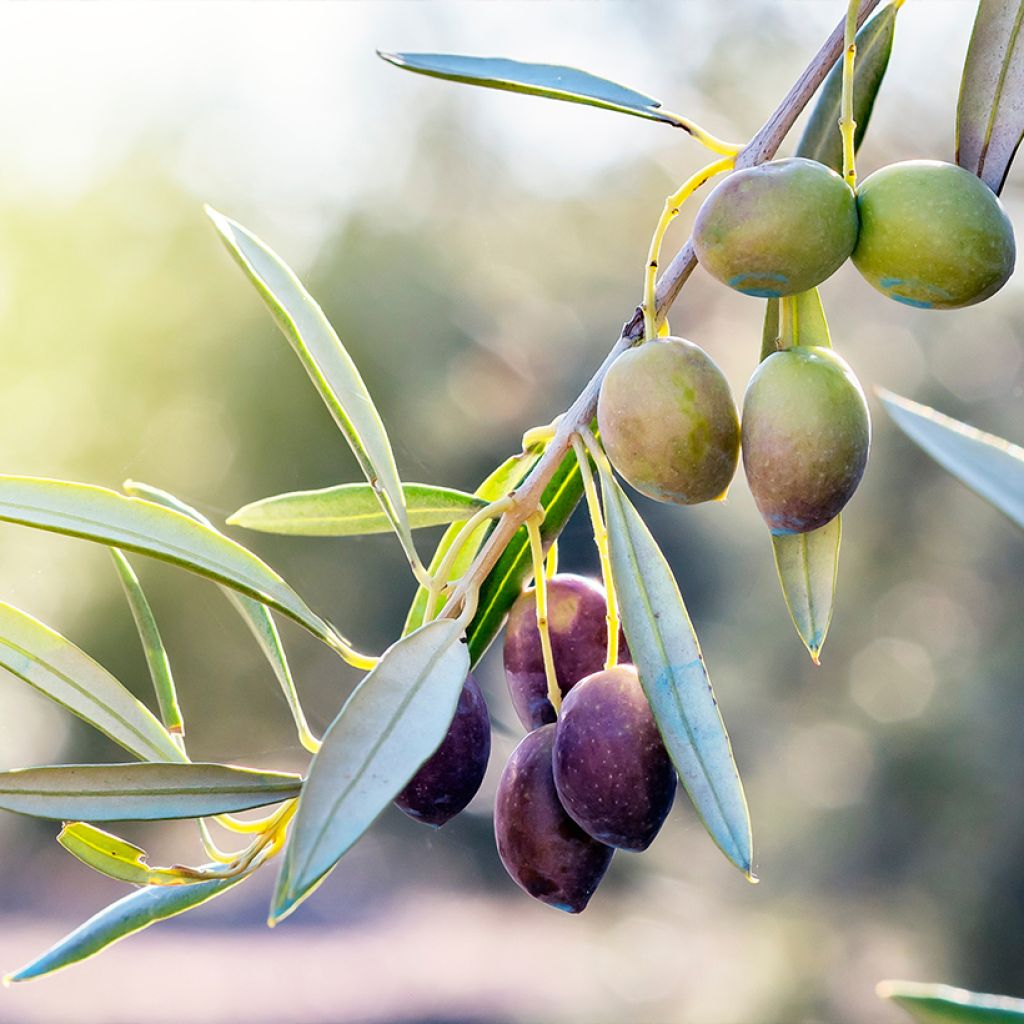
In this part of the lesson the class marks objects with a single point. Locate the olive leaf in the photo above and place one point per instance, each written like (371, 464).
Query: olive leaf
(58, 669)
(328, 364)
(395, 719)
(943, 1004)
(116, 858)
(674, 677)
(551, 81)
(821, 139)
(505, 581)
(152, 645)
(500, 483)
(141, 791)
(988, 465)
(350, 510)
(98, 514)
(254, 614)
(990, 113)
(127, 916)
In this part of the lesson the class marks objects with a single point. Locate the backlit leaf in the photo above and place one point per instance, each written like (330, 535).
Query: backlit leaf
(674, 677)
(141, 792)
(349, 510)
(394, 720)
(990, 466)
(115, 857)
(990, 114)
(943, 1004)
(551, 81)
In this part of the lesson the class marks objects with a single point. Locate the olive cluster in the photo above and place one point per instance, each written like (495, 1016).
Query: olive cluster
(922, 232)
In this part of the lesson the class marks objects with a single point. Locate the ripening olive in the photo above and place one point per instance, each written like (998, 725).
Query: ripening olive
(668, 421)
(578, 627)
(778, 228)
(447, 782)
(806, 434)
(547, 854)
(932, 235)
(613, 774)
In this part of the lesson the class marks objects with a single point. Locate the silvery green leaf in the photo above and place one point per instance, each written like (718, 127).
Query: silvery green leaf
(116, 858)
(943, 1004)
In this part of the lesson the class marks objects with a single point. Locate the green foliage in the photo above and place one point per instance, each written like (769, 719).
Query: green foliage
(943, 1004)
(116, 858)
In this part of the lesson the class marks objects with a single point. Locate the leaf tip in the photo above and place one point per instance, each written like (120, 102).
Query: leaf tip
(390, 58)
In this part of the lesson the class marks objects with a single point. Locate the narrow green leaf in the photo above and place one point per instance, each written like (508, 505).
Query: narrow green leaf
(141, 792)
(328, 364)
(551, 81)
(809, 326)
(350, 510)
(152, 645)
(58, 669)
(254, 614)
(988, 465)
(674, 677)
(127, 916)
(770, 332)
(97, 514)
(990, 115)
(394, 720)
(505, 581)
(943, 1004)
(501, 482)
(808, 566)
(116, 858)
(821, 140)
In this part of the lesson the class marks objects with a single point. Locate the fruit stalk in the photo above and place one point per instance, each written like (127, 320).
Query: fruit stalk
(763, 146)
(847, 125)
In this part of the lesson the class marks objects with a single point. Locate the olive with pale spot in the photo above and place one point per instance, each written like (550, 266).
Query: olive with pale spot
(578, 627)
(450, 778)
(612, 771)
(547, 854)
(668, 422)
(778, 228)
(932, 235)
(806, 435)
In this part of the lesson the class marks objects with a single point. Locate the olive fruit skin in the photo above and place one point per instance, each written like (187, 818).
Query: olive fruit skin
(778, 228)
(612, 772)
(450, 778)
(578, 627)
(547, 854)
(806, 435)
(668, 422)
(932, 235)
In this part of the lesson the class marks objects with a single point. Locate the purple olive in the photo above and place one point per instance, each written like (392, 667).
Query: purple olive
(547, 854)
(613, 774)
(577, 622)
(446, 783)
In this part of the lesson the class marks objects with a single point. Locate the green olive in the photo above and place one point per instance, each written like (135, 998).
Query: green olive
(806, 434)
(932, 235)
(777, 229)
(668, 422)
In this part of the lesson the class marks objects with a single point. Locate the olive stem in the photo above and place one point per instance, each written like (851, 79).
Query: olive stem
(701, 135)
(601, 540)
(540, 593)
(672, 206)
(551, 562)
(847, 125)
(787, 323)
(763, 146)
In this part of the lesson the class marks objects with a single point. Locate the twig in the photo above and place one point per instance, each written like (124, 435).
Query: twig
(763, 146)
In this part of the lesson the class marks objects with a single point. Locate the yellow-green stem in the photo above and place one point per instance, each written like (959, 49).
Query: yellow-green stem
(704, 137)
(540, 591)
(669, 214)
(551, 562)
(601, 540)
(847, 125)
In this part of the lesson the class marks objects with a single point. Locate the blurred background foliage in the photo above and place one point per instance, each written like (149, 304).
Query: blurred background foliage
(478, 252)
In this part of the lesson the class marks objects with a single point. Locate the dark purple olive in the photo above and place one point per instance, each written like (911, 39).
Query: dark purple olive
(612, 772)
(446, 783)
(577, 622)
(547, 854)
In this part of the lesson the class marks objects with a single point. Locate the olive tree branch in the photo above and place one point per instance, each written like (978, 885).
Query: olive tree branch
(763, 146)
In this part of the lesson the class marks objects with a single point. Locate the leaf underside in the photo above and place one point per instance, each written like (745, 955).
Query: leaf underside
(943, 1004)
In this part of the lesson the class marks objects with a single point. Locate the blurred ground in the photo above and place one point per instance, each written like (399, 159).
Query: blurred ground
(478, 252)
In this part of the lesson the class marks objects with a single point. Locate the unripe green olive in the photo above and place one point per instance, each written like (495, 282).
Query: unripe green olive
(932, 235)
(668, 421)
(806, 434)
(778, 228)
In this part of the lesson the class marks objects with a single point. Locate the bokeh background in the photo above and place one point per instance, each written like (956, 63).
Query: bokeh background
(477, 252)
